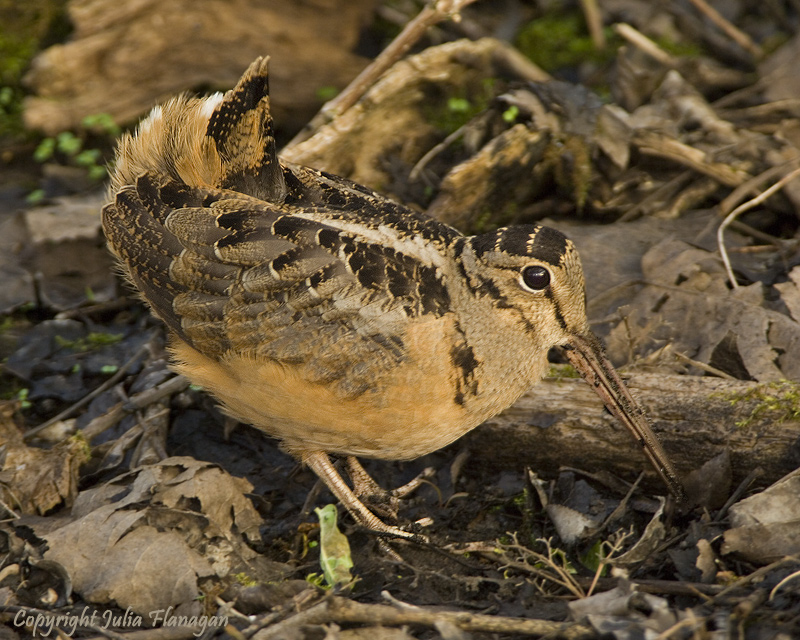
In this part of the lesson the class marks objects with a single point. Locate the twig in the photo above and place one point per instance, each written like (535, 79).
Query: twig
(744, 485)
(656, 144)
(434, 151)
(691, 621)
(733, 32)
(758, 573)
(705, 367)
(136, 402)
(341, 610)
(594, 21)
(659, 587)
(787, 579)
(642, 42)
(430, 15)
(118, 375)
(750, 187)
(746, 206)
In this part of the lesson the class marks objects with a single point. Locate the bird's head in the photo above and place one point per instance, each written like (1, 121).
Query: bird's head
(533, 277)
(535, 273)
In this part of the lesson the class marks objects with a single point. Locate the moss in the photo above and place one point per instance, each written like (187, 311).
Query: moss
(559, 371)
(680, 49)
(779, 401)
(25, 28)
(559, 39)
(459, 107)
(82, 446)
(94, 340)
(245, 580)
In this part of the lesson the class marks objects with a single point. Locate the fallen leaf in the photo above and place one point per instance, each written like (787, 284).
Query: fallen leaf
(646, 545)
(622, 612)
(766, 526)
(112, 556)
(38, 480)
(687, 304)
(570, 524)
(710, 485)
(145, 539)
(790, 293)
(334, 552)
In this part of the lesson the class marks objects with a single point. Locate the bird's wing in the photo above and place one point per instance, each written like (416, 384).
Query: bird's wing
(299, 285)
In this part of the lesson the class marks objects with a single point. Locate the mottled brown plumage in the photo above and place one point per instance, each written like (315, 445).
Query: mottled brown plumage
(328, 316)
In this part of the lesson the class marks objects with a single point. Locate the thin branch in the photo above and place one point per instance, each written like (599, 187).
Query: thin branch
(645, 44)
(341, 610)
(431, 14)
(729, 29)
(746, 206)
(702, 365)
(594, 22)
(136, 402)
(118, 375)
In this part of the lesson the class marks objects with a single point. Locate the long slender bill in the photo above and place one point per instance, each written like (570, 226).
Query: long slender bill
(586, 354)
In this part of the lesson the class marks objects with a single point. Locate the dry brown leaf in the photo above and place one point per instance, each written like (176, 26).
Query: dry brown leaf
(766, 526)
(38, 480)
(706, 321)
(790, 293)
(710, 485)
(144, 539)
(222, 497)
(111, 555)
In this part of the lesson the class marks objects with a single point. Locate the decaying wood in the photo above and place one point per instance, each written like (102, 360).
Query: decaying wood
(341, 610)
(123, 58)
(563, 423)
(393, 117)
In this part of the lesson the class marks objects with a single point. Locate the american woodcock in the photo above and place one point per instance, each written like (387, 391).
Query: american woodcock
(328, 316)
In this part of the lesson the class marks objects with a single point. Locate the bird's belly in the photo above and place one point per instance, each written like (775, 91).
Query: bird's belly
(404, 418)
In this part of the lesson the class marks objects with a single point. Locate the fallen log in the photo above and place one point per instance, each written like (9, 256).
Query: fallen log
(561, 422)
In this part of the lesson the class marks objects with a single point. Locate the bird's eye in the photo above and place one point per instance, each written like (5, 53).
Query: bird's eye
(535, 278)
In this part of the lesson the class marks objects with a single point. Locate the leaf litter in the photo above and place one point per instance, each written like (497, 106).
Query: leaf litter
(641, 182)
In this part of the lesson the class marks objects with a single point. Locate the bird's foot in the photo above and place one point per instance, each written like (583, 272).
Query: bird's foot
(320, 463)
(384, 502)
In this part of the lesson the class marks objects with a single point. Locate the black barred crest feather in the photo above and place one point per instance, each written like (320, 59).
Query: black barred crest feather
(543, 243)
(223, 141)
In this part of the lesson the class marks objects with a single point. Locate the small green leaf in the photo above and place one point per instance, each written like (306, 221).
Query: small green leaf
(6, 96)
(35, 196)
(510, 114)
(68, 143)
(334, 551)
(22, 396)
(97, 172)
(103, 122)
(594, 557)
(458, 105)
(87, 157)
(327, 93)
(45, 150)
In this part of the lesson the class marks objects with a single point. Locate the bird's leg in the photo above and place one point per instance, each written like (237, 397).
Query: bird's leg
(384, 502)
(320, 463)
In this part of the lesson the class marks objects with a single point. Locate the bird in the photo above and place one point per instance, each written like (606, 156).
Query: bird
(329, 316)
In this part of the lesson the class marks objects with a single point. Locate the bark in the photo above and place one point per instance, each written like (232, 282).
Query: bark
(563, 423)
(125, 57)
